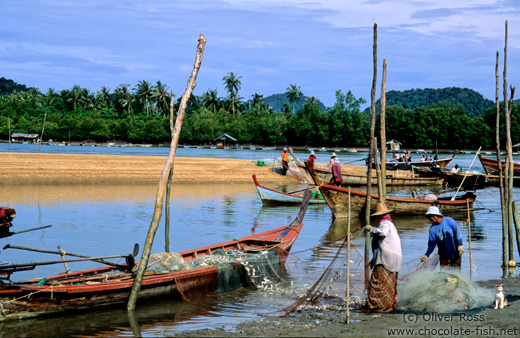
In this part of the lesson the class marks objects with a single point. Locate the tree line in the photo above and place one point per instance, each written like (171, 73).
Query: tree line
(140, 114)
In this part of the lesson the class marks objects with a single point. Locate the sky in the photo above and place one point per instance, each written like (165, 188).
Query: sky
(319, 45)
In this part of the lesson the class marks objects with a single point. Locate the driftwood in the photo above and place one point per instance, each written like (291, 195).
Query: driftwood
(192, 82)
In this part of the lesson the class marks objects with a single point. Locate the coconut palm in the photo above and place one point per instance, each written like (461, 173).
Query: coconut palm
(210, 100)
(293, 95)
(144, 94)
(161, 95)
(105, 98)
(232, 84)
(124, 97)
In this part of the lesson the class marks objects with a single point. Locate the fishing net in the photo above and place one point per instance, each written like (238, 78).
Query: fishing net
(329, 291)
(444, 291)
(237, 268)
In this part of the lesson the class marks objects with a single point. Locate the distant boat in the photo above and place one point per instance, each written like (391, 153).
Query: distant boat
(273, 196)
(338, 201)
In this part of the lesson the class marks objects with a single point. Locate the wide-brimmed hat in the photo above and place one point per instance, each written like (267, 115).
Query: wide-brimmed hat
(333, 155)
(433, 211)
(284, 149)
(381, 209)
(312, 152)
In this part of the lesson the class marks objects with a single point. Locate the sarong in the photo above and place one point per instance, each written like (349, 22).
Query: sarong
(382, 290)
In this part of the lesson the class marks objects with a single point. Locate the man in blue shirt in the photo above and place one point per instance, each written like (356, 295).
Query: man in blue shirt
(445, 234)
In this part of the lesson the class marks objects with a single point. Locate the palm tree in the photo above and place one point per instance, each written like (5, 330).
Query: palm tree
(232, 84)
(293, 95)
(105, 96)
(210, 100)
(125, 97)
(161, 95)
(312, 100)
(144, 94)
(74, 95)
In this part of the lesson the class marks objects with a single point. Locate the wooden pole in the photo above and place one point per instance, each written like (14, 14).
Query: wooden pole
(501, 173)
(62, 254)
(370, 156)
(168, 186)
(43, 128)
(348, 260)
(9, 134)
(192, 82)
(517, 224)
(382, 195)
(469, 242)
(378, 170)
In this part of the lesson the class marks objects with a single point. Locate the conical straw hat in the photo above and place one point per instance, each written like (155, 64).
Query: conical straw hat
(381, 209)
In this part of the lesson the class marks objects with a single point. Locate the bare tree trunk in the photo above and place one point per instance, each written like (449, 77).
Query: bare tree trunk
(501, 174)
(168, 186)
(382, 195)
(192, 82)
(9, 131)
(370, 156)
(509, 161)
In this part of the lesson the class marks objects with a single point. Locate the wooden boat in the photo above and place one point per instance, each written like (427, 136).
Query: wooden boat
(325, 175)
(490, 166)
(110, 286)
(337, 200)
(273, 196)
(469, 180)
(443, 162)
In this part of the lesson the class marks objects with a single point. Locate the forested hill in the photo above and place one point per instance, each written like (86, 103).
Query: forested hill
(8, 86)
(473, 102)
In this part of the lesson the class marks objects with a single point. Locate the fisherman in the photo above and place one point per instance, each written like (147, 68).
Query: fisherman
(337, 178)
(6, 217)
(445, 234)
(455, 169)
(312, 157)
(386, 262)
(331, 160)
(285, 161)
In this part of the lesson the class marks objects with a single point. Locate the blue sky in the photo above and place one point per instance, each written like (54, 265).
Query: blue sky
(320, 45)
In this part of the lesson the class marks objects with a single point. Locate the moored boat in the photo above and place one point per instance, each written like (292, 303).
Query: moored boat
(349, 179)
(337, 200)
(214, 268)
(274, 196)
(490, 166)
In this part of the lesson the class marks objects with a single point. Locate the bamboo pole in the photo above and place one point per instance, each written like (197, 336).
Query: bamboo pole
(168, 186)
(348, 260)
(500, 173)
(43, 128)
(62, 254)
(370, 156)
(192, 82)
(382, 196)
(9, 132)
(469, 242)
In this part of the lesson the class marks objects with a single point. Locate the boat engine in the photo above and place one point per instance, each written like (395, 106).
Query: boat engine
(6, 217)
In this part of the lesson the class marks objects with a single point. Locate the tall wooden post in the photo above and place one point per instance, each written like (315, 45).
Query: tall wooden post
(501, 172)
(192, 82)
(382, 195)
(348, 260)
(43, 128)
(370, 156)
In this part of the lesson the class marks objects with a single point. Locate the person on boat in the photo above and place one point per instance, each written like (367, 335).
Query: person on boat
(285, 161)
(395, 157)
(386, 262)
(331, 160)
(431, 158)
(336, 173)
(6, 217)
(312, 157)
(444, 234)
(455, 169)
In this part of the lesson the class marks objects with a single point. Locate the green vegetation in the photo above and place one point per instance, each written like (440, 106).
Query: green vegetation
(450, 118)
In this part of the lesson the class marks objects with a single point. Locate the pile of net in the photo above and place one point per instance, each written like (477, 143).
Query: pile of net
(444, 291)
(236, 268)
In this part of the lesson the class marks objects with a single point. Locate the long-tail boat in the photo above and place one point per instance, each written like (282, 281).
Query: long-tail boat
(111, 285)
(349, 179)
(337, 200)
(274, 196)
(490, 166)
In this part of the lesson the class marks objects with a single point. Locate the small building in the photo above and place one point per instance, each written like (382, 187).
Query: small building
(225, 140)
(516, 148)
(19, 137)
(393, 145)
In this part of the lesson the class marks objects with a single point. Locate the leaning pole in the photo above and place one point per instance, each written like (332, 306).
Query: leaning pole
(192, 82)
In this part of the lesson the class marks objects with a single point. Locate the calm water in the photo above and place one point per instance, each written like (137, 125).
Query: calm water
(108, 220)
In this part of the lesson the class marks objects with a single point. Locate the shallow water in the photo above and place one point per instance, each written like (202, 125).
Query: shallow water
(108, 220)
